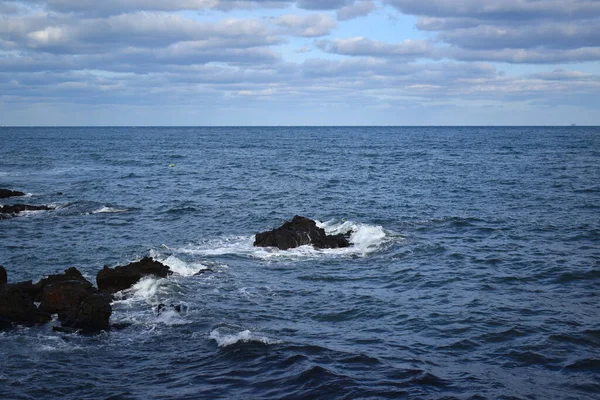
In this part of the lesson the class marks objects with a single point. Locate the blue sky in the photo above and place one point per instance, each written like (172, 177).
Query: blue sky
(305, 62)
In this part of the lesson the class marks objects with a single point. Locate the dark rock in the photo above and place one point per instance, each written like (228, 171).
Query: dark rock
(112, 280)
(33, 290)
(5, 193)
(92, 314)
(17, 208)
(16, 307)
(298, 232)
(78, 304)
(3, 277)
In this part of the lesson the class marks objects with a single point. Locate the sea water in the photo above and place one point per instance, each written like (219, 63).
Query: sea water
(474, 271)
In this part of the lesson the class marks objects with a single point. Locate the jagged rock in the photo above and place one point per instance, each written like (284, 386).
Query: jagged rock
(16, 307)
(78, 304)
(3, 277)
(17, 208)
(112, 280)
(298, 232)
(5, 193)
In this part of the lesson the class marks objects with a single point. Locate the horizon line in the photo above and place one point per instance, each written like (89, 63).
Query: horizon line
(300, 126)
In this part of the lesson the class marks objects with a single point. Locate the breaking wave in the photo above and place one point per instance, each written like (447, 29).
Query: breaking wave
(241, 337)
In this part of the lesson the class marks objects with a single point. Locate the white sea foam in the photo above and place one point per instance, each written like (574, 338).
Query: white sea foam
(106, 210)
(147, 289)
(243, 337)
(365, 239)
(171, 317)
(183, 268)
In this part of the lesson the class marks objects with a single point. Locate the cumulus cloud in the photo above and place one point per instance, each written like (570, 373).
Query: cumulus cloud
(513, 31)
(495, 10)
(361, 46)
(357, 9)
(313, 25)
(160, 52)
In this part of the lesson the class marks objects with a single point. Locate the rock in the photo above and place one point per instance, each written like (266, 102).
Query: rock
(298, 232)
(17, 208)
(16, 307)
(3, 277)
(91, 315)
(112, 280)
(5, 193)
(78, 304)
(32, 289)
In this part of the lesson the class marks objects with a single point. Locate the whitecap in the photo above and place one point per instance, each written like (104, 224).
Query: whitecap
(111, 210)
(243, 337)
(181, 267)
(146, 289)
(171, 317)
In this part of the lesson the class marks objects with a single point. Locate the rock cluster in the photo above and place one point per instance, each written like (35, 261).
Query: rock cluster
(77, 303)
(300, 231)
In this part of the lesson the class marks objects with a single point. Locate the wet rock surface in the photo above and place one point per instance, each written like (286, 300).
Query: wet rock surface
(300, 231)
(112, 280)
(77, 303)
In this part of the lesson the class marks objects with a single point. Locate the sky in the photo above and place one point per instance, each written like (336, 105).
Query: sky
(304, 62)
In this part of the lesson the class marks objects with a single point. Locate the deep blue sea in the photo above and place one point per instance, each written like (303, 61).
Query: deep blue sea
(474, 271)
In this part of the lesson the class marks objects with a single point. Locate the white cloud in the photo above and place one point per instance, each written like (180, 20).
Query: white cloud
(313, 25)
(357, 9)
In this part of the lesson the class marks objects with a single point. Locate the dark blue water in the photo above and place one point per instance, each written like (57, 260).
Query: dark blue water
(475, 271)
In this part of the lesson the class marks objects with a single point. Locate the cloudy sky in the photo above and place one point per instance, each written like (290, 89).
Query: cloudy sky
(304, 62)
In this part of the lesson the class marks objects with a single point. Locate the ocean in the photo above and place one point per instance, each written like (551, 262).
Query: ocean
(474, 271)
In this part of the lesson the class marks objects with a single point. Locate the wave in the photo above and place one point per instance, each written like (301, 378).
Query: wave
(177, 265)
(241, 337)
(147, 290)
(106, 210)
(365, 239)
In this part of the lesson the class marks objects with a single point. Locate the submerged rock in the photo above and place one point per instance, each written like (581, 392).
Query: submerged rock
(5, 193)
(298, 232)
(112, 280)
(17, 208)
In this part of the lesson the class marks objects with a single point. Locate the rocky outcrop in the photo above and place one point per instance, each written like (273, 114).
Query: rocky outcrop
(112, 280)
(298, 232)
(5, 193)
(69, 295)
